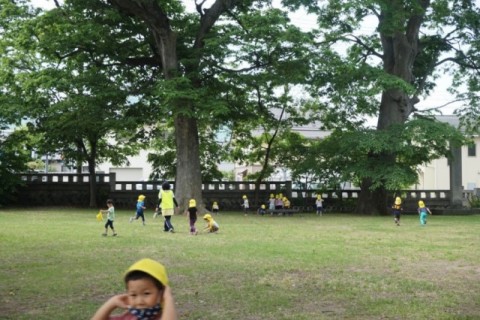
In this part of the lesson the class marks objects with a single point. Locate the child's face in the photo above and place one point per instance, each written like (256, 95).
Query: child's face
(143, 293)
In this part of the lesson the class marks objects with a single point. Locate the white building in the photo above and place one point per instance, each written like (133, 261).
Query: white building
(436, 174)
(432, 176)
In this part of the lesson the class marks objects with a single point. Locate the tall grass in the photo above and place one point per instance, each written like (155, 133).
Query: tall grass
(54, 264)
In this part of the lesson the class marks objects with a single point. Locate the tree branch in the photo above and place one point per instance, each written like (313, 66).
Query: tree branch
(445, 104)
(209, 18)
(359, 41)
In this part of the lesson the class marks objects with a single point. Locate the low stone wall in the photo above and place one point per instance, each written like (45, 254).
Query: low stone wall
(67, 190)
(57, 189)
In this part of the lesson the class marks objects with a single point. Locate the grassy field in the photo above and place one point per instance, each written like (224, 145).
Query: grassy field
(54, 264)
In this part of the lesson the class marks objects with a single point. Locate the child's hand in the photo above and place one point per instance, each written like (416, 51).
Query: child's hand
(119, 301)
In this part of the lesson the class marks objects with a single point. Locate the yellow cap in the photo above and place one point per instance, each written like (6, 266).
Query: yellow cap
(192, 203)
(141, 197)
(207, 217)
(244, 197)
(262, 206)
(151, 267)
(398, 200)
(421, 204)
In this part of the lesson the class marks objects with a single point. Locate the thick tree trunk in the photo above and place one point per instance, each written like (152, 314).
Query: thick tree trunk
(93, 184)
(188, 182)
(400, 48)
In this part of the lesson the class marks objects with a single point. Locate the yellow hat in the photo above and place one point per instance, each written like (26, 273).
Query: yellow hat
(272, 195)
(262, 206)
(192, 203)
(207, 217)
(151, 267)
(141, 197)
(244, 197)
(398, 200)
(421, 204)
(215, 202)
(319, 197)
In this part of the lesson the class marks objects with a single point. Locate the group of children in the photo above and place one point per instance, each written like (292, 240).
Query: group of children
(423, 211)
(167, 203)
(275, 202)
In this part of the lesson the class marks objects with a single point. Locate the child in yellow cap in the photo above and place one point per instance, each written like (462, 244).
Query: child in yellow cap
(245, 204)
(423, 212)
(397, 210)
(319, 205)
(192, 215)
(140, 208)
(215, 207)
(212, 225)
(262, 210)
(148, 295)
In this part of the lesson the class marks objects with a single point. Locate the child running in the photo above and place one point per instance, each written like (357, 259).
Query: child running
(397, 210)
(110, 217)
(423, 212)
(140, 208)
(147, 296)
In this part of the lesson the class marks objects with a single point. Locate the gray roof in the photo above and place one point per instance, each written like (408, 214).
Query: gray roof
(452, 120)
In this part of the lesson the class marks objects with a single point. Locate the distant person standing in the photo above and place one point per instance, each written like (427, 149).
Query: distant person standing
(167, 203)
(271, 202)
(245, 205)
(278, 202)
(215, 207)
(319, 205)
(423, 212)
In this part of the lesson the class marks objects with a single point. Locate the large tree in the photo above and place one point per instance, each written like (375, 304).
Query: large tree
(202, 61)
(63, 77)
(384, 73)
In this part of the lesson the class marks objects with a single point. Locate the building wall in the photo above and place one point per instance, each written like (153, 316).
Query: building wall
(436, 174)
(127, 174)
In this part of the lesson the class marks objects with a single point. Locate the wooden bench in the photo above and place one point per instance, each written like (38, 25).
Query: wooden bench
(282, 212)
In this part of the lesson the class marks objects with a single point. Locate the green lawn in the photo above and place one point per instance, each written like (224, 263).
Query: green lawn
(54, 264)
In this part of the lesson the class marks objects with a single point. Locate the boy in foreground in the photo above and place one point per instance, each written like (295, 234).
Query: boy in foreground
(148, 295)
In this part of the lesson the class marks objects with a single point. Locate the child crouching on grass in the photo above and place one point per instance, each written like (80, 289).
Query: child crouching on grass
(212, 226)
(148, 295)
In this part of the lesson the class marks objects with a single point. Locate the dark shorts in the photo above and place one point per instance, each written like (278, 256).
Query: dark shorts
(109, 224)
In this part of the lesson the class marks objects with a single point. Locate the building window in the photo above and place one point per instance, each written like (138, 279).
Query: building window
(472, 150)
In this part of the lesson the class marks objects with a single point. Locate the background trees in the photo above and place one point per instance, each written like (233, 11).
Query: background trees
(134, 70)
(385, 73)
